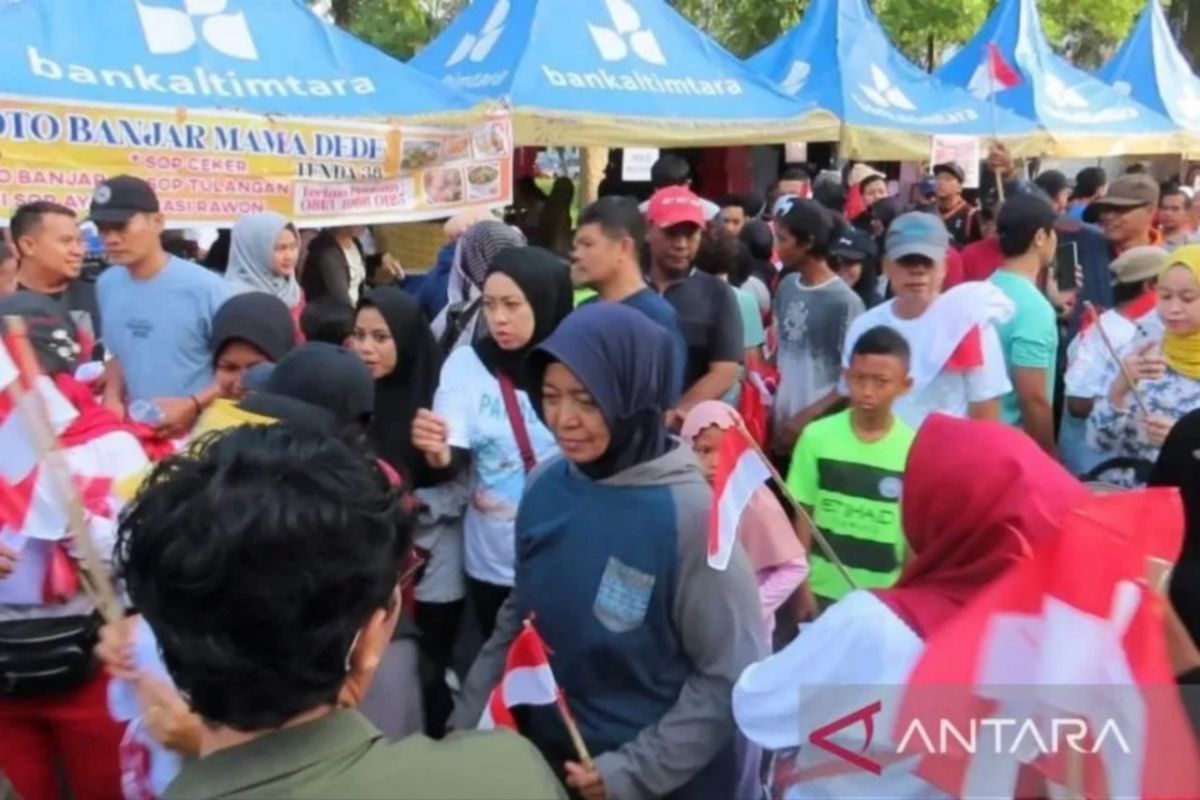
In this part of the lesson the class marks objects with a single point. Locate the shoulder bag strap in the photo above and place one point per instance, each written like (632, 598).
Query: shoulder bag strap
(511, 407)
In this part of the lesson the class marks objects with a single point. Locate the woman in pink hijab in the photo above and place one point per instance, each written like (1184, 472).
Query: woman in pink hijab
(766, 532)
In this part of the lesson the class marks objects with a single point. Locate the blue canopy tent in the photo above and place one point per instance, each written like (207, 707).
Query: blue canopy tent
(1150, 69)
(840, 57)
(1086, 117)
(613, 73)
(264, 57)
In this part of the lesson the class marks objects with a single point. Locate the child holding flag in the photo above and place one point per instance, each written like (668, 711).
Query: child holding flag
(847, 470)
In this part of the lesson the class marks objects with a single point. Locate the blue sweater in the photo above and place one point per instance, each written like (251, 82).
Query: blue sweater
(646, 639)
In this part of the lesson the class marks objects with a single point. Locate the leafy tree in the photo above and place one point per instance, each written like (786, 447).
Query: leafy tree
(398, 27)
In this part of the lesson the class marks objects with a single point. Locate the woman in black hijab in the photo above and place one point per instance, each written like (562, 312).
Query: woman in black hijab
(249, 329)
(482, 416)
(545, 281)
(392, 337)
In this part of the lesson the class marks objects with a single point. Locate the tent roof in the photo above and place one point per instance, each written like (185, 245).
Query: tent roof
(1150, 68)
(629, 72)
(889, 107)
(1085, 116)
(264, 57)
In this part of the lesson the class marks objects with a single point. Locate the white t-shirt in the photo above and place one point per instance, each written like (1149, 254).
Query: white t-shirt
(855, 653)
(949, 392)
(469, 398)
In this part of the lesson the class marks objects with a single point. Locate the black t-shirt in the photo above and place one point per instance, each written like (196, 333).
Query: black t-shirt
(710, 320)
(78, 297)
(963, 225)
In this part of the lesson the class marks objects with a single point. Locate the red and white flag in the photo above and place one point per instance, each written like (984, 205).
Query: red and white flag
(741, 472)
(1002, 74)
(1068, 650)
(527, 681)
(26, 505)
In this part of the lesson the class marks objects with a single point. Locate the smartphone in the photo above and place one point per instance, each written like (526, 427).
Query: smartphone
(1066, 266)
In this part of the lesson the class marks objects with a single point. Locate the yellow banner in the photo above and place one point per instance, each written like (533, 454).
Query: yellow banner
(209, 168)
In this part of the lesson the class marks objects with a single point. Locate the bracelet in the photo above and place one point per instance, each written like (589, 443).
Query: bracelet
(196, 403)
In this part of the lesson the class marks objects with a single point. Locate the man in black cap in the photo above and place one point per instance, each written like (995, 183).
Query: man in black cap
(856, 259)
(157, 310)
(1090, 184)
(960, 217)
(1057, 187)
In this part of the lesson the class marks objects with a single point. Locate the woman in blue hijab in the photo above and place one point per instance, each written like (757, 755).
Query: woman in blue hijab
(646, 640)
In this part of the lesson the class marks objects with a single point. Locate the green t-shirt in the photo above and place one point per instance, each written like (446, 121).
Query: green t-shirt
(753, 334)
(854, 490)
(583, 295)
(1029, 339)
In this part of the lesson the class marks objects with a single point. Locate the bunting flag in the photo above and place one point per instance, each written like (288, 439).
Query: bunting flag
(1069, 647)
(741, 471)
(1003, 75)
(527, 681)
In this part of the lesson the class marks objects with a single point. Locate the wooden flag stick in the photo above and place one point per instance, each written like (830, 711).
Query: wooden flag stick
(568, 718)
(573, 729)
(777, 479)
(1112, 351)
(95, 577)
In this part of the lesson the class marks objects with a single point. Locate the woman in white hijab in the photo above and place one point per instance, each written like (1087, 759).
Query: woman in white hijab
(263, 254)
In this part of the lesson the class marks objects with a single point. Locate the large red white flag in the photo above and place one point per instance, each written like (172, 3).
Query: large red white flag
(741, 472)
(527, 681)
(1070, 643)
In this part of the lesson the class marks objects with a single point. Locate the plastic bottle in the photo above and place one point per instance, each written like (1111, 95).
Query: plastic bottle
(146, 412)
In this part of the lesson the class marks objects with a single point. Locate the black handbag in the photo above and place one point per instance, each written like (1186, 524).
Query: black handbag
(48, 655)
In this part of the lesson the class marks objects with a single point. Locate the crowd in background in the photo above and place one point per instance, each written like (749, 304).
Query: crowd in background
(538, 416)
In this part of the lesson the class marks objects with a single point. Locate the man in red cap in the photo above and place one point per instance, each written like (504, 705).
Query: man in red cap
(707, 307)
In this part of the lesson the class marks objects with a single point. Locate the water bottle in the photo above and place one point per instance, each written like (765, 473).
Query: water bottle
(147, 412)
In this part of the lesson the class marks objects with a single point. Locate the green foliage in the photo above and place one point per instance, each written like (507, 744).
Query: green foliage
(1087, 31)
(398, 27)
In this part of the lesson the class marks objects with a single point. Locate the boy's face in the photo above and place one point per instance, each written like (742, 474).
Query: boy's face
(876, 381)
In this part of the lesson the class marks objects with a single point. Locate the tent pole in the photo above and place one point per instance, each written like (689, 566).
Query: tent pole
(592, 163)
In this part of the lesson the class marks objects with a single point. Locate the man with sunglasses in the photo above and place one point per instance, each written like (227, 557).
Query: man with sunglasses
(1126, 213)
(157, 309)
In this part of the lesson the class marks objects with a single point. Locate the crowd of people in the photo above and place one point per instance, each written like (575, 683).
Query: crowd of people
(332, 496)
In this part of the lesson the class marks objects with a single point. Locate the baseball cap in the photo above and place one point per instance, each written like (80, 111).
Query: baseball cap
(1138, 264)
(1129, 191)
(917, 234)
(321, 375)
(675, 205)
(951, 168)
(1052, 182)
(855, 246)
(120, 198)
(1088, 181)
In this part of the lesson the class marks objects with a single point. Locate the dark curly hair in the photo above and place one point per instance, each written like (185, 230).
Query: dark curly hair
(256, 559)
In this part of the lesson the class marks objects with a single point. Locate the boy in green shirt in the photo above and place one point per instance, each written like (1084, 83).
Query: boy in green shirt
(847, 471)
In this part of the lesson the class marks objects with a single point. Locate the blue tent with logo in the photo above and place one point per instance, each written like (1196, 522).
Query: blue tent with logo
(613, 72)
(1085, 116)
(259, 56)
(1150, 68)
(840, 57)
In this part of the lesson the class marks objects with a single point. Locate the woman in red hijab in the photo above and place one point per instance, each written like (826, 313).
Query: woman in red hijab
(976, 497)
